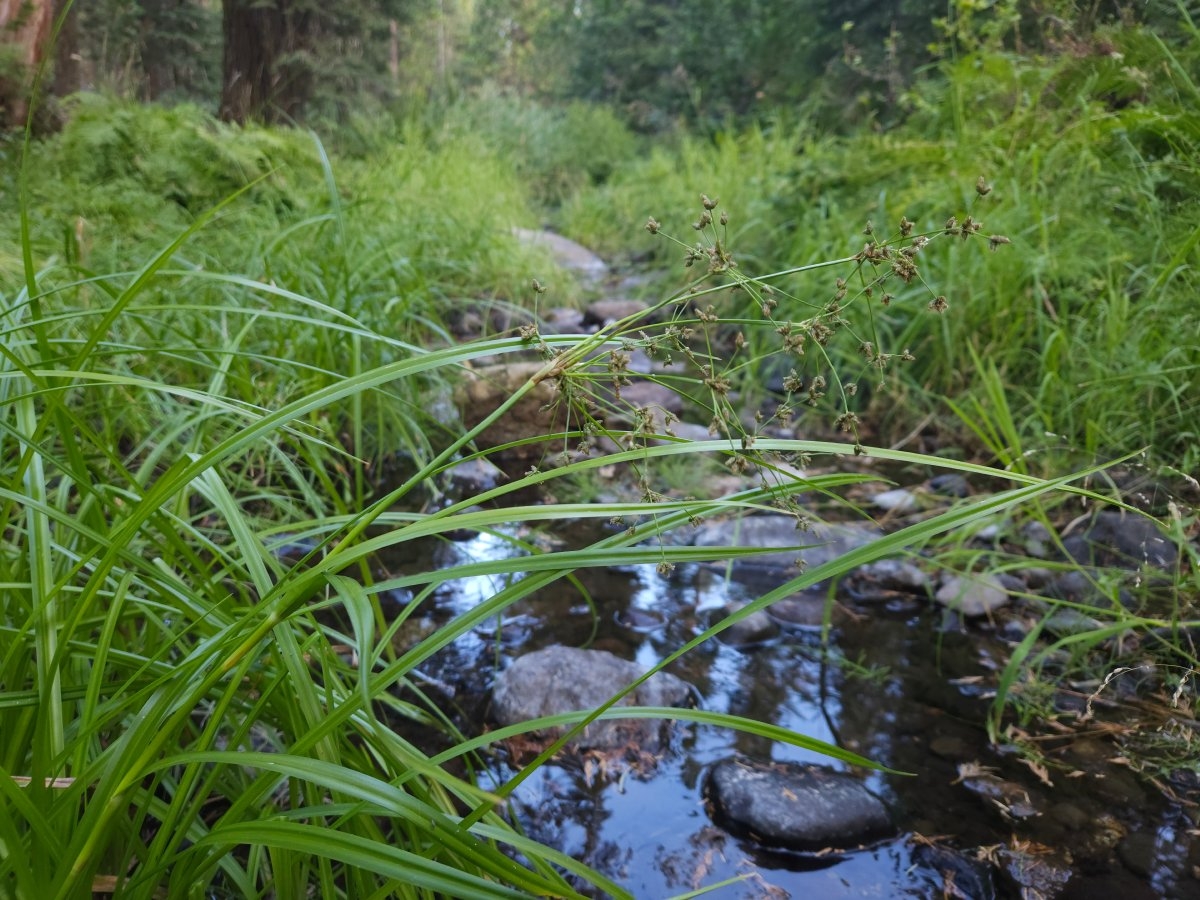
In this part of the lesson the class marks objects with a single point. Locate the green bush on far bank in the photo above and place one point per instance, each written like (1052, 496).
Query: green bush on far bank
(1094, 161)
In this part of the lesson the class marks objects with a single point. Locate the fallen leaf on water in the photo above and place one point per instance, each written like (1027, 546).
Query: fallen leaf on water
(1037, 769)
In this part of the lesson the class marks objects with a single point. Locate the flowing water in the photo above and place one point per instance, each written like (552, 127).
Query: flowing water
(895, 683)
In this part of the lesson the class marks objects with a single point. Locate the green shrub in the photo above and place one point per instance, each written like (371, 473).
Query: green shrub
(555, 150)
(1093, 160)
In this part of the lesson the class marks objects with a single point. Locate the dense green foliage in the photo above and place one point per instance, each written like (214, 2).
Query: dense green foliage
(1094, 160)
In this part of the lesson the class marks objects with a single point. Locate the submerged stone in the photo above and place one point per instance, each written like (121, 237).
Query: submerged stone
(756, 628)
(806, 610)
(960, 875)
(563, 679)
(798, 807)
(1029, 871)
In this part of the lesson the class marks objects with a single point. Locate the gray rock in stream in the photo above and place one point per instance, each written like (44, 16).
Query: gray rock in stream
(821, 542)
(756, 628)
(563, 679)
(806, 808)
(973, 595)
(1127, 540)
(472, 476)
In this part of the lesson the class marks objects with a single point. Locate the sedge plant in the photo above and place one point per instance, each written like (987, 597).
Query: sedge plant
(186, 710)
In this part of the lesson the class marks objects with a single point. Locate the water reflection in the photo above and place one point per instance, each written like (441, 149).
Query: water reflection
(889, 685)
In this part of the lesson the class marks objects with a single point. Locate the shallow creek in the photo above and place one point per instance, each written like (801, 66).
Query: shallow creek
(897, 683)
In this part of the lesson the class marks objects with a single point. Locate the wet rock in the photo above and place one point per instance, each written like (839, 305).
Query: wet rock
(820, 543)
(1069, 816)
(1033, 871)
(972, 596)
(806, 808)
(881, 579)
(1100, 838)
(643, 621)
(512, 631)
(473, 476)
(561, 679)
(949, 747)
(960, 875)
(754, 629)
(1116, 538)
(1009, 798)
(610, 310)
(1138, 852)
(1120, 787)
(806, 609)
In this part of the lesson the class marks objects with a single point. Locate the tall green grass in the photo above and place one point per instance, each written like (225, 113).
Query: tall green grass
(184, 710)
(1093, 157)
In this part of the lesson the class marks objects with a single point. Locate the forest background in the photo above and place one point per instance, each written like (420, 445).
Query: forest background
(811, 117)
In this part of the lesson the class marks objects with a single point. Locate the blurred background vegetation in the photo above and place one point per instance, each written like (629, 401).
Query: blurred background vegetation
(807, 118)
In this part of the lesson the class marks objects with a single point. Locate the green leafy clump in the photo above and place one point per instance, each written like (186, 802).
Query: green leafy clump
(555, 150)
(122, 161)
(1092, 156)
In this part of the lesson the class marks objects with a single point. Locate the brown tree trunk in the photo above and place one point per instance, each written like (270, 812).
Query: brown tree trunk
(24, 27)
(266, 75)
(68, 73)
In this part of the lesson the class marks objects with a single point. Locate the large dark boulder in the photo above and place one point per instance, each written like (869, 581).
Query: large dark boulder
(1124, 539)
(798, 807)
